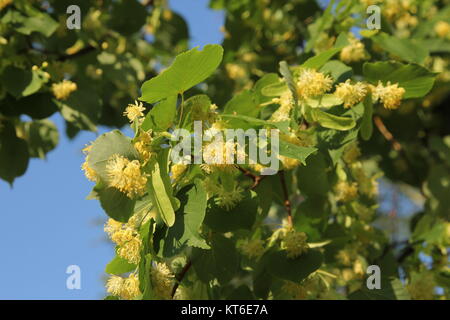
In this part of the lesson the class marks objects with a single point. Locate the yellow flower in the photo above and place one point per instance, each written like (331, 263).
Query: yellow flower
(134, 111)
(346, 192)
(229, 199)
(253, 249)
(351, 94)
(311, 83)
(4, 3)
(294, 243)
(217, 153)
(88, 171)
(130, 250)
(234, 71)
(126, 176)
(390, 95)
(283, 112)
(162, 280)
(442, 29)
(178, 170)
(63, 89)
(351, 153)
(353, 52)
(143, 146)
(125, 288)
(297, 291)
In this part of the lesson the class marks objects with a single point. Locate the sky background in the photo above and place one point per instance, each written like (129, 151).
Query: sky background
(48, 225)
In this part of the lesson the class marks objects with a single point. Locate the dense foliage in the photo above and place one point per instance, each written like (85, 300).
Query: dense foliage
(352, 105)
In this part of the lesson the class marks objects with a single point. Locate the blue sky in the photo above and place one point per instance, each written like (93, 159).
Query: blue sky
(47, 223)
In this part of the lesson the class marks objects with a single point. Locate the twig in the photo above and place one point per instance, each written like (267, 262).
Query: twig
(180, 276)
(287, 202)
(256, 179)
(386, 133)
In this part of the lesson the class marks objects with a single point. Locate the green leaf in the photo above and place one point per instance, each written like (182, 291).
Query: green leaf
(287, 75)
(20, 82)
(242, 216)
(338, 70)
(39, 22)
(313, 177)
(293, 151)
(367, 124)
(189, 219)
(160, 197)
(391, 289)
(293, 269)
(319, 60)
(161, 117)
(14, 154)
(127, 17)
(242, 104)
(405, 49)
(116, 204)
(119, 266)
(416, 80)
(266, 81)
(331, 121)
(42, 137)
(107, 145)
(189, 69)
(220, 262)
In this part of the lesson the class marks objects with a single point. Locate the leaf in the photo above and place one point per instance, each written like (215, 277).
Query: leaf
(127, 17)
(293, 269)
(242, 216)
(119, 265)
(405, 49)
(266, 81)
(14, 156)
(189, 219)
(287, 75)
(242, 104)
(319, 60)
(391, 289)
(338, 70)
(331, 121)
(20, 82)
(293, 151)
(107, 145)
(189, 69)
(220, 262)
(160, 197)
(39, 22)
(251, 122)
(416, 80)
(313, 177)
(116, 204)
(367, 124)
(161, 117)
(42, 137)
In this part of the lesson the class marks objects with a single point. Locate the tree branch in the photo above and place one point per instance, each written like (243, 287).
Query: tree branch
(256, 179)
(387, 134)
(180, 276)
(287, 202)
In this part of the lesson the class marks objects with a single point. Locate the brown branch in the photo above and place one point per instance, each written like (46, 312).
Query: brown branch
(180, 276)
(386, 133)
(256, 179)
(287, 202)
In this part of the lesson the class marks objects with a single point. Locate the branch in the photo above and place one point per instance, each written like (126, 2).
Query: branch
(386, 133)
(256, 179)
(180, 276)
(287, 202)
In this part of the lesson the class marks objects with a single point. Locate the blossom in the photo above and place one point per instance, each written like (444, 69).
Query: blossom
(351, 94)
(143, 145)
(297, 291)
(126, 176)
(219, 155)
(390, 95)
(134, 111)
(229, 199)
(351, 153)
(88, 171)
(130, 250)
(283, 112)
(346, 191)
(353, 52)
(294, 243)
(253, 249)
(442, 29)
(162, 280)
(311, 83)
(178, 170)
(125, 288)
(63, 89)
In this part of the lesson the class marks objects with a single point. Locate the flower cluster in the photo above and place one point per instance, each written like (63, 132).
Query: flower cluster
(390, 95)
(311, 83)
(353, 52)
(253, 248)
(63, 89)
(134, 111)
(294, 243)
(351, 94)
(126, 237)
(126, 176)
(162, 280)
(125, 288)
